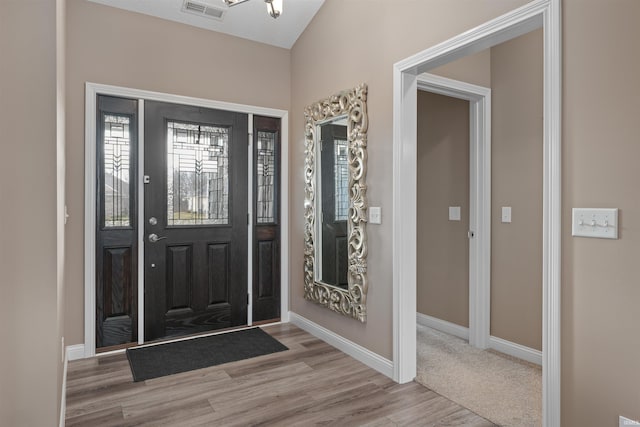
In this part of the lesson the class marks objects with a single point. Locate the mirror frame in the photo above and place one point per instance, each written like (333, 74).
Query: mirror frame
(351, 103)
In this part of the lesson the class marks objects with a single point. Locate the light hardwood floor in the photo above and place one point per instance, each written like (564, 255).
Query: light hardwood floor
(310, 384)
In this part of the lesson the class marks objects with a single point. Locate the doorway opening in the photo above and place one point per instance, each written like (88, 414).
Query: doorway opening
(477, 192)
(469, 376)
(538, 14)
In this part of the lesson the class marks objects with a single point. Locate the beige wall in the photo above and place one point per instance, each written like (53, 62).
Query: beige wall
(474, 69)
(116, 47)
(30, 351)
(443, 181)
(601, 278)
(516, 181)
(600, 340)
(378, 36)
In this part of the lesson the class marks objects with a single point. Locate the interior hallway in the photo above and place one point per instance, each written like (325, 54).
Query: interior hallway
(501, 388)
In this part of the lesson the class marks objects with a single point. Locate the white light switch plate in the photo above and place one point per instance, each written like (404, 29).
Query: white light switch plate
(599, 223)
(506, 214)
(454, 213)
(625, 422)
(375, 215)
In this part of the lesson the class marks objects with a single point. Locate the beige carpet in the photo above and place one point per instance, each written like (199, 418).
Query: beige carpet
(505, 391)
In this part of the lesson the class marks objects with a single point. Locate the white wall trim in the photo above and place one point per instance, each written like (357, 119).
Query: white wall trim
(63, 392)
(443, 326)
(90, 220)
(369, 358)
(141, 220)
(450, 87)
(250, 221)
(75, 352)
(516, 350)
(538, 13)
(284, 218)
(479, 98)
(552, 221)
(495, 343)
(91, 92)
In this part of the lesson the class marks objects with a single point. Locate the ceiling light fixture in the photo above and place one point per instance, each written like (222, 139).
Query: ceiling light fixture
(274, 7)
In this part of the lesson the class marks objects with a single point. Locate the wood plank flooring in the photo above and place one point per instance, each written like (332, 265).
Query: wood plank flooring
(310, 384)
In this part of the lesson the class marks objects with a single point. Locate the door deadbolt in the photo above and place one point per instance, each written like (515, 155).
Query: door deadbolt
(153, 220)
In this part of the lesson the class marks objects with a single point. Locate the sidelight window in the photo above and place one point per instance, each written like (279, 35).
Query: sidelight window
(117, 160)
(266, 175)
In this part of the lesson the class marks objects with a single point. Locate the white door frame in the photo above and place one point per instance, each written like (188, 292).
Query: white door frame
(544, 14)
(479, 197)
(92, 90)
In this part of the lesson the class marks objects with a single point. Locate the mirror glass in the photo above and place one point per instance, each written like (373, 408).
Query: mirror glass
(332, 205)
(335, 257)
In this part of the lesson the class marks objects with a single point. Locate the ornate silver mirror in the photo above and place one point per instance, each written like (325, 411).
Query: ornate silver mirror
(335, 258)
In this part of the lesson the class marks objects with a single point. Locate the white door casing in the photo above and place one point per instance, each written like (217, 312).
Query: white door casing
(544, 14)
(479, 197)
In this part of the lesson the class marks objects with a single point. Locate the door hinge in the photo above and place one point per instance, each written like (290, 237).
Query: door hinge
(471, 234)
(145, 179)
(248, 298)
(248, 219)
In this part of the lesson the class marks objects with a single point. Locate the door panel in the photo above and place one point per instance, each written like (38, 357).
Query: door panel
(266, 223)
(196, 272)
(218, 263)
(179, 283)
(116, 230)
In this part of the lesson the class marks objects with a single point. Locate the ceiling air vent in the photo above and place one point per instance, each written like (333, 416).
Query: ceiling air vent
(202, 9)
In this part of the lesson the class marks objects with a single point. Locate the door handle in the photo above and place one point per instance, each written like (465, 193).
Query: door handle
(153, 237)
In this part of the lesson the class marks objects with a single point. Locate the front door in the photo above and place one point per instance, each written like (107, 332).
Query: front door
(195, 216)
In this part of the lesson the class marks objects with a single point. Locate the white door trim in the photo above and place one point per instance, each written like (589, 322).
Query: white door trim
(91, 92)
(479, 197)
(534, 15)
(250, 221)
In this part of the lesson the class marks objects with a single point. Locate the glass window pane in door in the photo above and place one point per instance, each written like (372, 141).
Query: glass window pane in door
(197, 174)
(117, 154)
(266, 175)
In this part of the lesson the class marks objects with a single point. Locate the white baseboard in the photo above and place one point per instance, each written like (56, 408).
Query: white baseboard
(369, 358)
(495, 343)
(443, 326)
(75, 352)
(516, 350)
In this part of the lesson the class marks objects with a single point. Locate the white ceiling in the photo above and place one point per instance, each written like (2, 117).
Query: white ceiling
(247, 20)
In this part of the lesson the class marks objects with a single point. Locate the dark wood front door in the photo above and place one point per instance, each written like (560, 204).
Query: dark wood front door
(195, 215)
(266, 219)
(116, 222)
